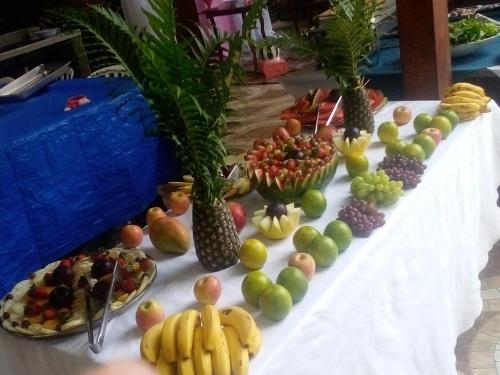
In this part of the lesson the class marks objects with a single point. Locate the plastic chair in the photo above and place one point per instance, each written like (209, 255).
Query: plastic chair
(113, 71)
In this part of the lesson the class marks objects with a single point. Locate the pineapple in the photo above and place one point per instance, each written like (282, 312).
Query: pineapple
(349, 36)
(215, 236)
(188, 89)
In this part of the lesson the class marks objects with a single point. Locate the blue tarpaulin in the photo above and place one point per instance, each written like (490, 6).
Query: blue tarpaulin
(66, 177)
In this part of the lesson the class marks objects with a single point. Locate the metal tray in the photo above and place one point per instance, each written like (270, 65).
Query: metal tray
(31, 82)
(83, 328)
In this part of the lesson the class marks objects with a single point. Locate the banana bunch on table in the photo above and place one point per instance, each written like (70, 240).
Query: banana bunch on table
(206, 342)
(237, 186)
(466, 99)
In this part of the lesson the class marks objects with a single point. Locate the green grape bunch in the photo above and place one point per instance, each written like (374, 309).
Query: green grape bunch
(376, 187)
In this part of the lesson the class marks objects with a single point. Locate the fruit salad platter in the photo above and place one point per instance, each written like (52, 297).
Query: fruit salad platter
(51, 302)
(306, 107)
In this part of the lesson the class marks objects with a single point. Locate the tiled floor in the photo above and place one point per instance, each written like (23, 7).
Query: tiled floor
(478, 349)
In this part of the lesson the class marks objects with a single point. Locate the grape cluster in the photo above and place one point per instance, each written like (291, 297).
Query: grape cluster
(404, 169)
(362, 217)
(376, 187)
(409, 178)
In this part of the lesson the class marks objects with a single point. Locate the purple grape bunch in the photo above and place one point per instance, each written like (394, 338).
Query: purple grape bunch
(404, 169)
(362, 217)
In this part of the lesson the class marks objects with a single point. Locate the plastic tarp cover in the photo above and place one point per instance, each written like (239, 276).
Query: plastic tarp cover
(66, 177)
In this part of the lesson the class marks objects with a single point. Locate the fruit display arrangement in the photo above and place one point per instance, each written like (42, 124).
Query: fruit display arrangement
(466, 99)
(51, 301)
(209, 341)
(284, 168)
(306, 107)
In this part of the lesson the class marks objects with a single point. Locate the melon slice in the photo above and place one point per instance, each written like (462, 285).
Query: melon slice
(276, 232)
(265, 224)
(274, 228)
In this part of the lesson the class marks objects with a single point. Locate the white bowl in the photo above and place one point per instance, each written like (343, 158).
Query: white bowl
(47, 33)
(468, 48)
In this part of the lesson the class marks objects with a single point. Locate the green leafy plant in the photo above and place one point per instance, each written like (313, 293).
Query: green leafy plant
(188, 89)
(469, 30)
(347, 39)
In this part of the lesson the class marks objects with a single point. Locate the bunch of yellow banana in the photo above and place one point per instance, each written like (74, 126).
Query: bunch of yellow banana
(238, 186)
(466, 99)
(206, 342)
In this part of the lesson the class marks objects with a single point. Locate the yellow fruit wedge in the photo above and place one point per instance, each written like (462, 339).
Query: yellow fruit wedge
(294, 216)
(276, 232)
(265, 224)
(286, 225)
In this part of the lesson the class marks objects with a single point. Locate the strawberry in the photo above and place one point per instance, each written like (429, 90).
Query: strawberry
(50, 313)
(66, 263)
(32, 309)
(42, 292)
(146, 264)
(127, 286)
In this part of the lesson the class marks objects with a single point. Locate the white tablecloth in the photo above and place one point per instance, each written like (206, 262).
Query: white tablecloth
(391, 304)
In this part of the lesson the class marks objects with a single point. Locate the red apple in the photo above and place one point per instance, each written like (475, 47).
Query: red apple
(207, 290)
(131, 236)
(281, 134)
(238, 213)
(148, 314)
(326, 133)
(434, 133)
(303, 262)
(178, 201)
(401, 115)
(153, 214)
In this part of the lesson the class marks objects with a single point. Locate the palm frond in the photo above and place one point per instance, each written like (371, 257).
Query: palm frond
(348, 38)
(185, 86)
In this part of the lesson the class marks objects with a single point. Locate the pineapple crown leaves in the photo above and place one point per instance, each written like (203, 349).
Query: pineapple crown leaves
(348, 38)
(187, 88)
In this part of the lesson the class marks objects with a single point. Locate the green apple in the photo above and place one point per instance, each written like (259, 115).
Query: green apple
(443, 124)
(253, 254)
(395, 148)
(303, 237)
(426, 142)
(313, 203)
(295, 281)
(451, 115)
(414, 151)
(388, 132)
(254, 284)
(276, 302)
(324, 250)
(422, 121)
(340, 233)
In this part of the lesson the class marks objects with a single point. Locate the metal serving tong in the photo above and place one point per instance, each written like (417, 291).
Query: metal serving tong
(97, 345)
(330, 118)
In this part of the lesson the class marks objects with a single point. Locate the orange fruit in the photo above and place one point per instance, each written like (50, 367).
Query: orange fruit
(293, 126)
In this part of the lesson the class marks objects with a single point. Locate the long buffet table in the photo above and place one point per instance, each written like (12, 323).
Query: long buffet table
(393, 303)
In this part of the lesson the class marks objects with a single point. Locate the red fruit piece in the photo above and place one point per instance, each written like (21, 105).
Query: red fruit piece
(291, 164)
(66, 263)
(42, 292)
(50, 313)
(48, 279)
(32, 309)
(127, 286)
(146, 264)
